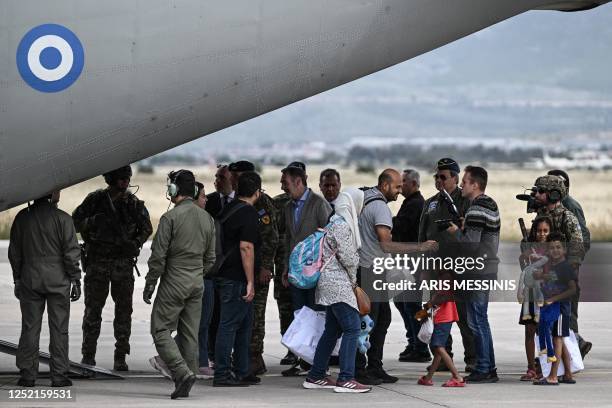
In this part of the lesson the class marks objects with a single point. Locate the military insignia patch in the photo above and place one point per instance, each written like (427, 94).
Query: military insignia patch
(265, 219)
(432, 206)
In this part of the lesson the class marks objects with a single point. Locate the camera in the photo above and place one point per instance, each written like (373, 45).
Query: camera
(532, 203)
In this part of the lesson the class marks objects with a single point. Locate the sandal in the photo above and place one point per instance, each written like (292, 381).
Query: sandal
(424, 381)
(564, 380)
(544, 381)
(453, 382)
(531, 375)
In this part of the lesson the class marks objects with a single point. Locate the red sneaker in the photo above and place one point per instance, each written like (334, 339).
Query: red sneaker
(424, 381)
(311, 384)
(351, 386)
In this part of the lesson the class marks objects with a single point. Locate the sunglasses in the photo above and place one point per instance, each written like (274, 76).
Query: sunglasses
(440, 176)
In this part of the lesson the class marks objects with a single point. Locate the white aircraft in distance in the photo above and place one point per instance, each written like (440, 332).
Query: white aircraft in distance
(588, 160)
(87, 86)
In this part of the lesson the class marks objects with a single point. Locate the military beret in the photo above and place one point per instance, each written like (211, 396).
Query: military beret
(550, 183)
(296, 165)
(448, 164)
(241, 166)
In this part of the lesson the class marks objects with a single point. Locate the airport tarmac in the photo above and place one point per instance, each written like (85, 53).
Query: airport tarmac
(143, 386)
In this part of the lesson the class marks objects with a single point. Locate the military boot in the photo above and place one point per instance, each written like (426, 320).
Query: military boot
(88, 359)
(120, 364)
(257, 366)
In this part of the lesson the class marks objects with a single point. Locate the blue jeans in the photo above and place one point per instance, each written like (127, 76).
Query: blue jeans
(234, 332)
(478, 321)
(208, 302)
(549, 314)
(407, 311)
(340, 320)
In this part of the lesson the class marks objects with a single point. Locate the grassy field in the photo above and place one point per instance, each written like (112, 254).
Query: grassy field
(592, 189)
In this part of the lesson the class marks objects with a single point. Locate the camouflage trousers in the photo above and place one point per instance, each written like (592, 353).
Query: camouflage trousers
(116, 274)
(259, 318)
(285, 305)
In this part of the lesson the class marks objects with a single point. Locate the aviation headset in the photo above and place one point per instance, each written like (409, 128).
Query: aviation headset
(555, 190)
(554, 196)
(173, 188)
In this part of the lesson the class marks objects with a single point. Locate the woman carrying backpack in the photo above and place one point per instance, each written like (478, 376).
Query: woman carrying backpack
(335, 292)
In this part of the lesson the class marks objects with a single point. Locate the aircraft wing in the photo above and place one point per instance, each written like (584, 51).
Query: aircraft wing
(87, 86)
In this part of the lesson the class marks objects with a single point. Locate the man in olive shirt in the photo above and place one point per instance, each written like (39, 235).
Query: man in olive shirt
(182, 251)
(44, 255)
(436, 209)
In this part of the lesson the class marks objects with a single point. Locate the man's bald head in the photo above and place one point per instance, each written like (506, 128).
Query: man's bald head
(390, 184)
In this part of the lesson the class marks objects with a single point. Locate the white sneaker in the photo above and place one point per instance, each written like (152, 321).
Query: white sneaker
(351, 386)
(205, 373)
(316, 384)
(158, 364)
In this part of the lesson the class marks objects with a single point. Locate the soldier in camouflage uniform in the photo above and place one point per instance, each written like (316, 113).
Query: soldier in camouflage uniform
(114, 225)
(549, 192)
(574, 206)
(269, 235)
(282, 294)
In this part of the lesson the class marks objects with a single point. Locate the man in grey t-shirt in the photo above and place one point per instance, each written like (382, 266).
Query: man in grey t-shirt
(375, 223)
(376, 218)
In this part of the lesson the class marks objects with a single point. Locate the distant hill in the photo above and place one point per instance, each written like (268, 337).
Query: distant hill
(537, 76)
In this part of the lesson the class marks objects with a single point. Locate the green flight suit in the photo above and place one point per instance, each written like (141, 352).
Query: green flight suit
(44, 255)
(182, 251)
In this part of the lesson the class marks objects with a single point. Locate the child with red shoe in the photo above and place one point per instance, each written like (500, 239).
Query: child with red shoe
(444, 312)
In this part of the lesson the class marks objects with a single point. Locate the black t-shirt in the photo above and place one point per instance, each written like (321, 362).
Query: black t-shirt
(557, 281)
(243, 225)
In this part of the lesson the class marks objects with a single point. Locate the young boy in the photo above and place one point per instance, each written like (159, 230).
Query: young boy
(558, 285)
(444, 316)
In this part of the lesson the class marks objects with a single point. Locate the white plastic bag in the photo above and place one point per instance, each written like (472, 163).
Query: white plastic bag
(572, 346)
(426, 331)
(304, 333)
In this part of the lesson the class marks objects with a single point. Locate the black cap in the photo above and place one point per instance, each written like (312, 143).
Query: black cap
(241, 166)
(296, 165)
(448, 164)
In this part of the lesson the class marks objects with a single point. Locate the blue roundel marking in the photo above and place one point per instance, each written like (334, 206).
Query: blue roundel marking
(50, 58)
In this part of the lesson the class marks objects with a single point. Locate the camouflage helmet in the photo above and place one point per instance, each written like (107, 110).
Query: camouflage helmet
(118, 174)
(552, 183)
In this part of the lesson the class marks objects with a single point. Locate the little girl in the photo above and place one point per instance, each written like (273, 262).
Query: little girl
(536, 246)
